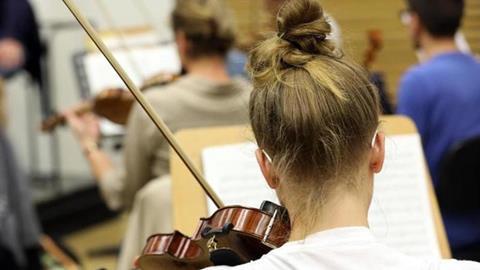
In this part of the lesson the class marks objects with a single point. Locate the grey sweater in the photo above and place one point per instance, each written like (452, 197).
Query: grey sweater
(19, 227)
(189, 102)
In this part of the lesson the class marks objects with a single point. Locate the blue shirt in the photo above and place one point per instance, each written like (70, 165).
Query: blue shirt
(442, 96)
(236, 61)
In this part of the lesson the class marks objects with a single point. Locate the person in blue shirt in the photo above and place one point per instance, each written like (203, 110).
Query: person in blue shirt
(442, 96)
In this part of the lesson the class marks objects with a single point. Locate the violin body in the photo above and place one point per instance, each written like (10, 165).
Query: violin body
(174, 251)
(113, 104)
(231, 236)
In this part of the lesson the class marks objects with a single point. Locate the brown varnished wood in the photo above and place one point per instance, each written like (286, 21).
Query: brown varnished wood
(113, 104)
(375, 44)
(248, 238)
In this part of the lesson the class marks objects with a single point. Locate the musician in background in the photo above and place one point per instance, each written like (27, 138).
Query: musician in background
(442, 96)
(315, 118)
(206, 96)
(19, 39)
(19, 228)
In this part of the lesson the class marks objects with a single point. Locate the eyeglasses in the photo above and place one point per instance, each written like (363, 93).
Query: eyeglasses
(405, 16)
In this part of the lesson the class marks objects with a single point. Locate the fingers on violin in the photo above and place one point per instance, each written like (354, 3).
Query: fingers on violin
(73, 120)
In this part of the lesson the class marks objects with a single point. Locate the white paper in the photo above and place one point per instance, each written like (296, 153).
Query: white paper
(139, 63)
(400, 215)
(130, 40)
(233, 173)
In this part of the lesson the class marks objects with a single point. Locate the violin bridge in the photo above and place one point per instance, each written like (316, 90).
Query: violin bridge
(212, 244)
(269, 230)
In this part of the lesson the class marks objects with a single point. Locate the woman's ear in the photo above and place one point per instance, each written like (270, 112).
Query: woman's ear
(415, 29)
(267, 170)
(378, 153)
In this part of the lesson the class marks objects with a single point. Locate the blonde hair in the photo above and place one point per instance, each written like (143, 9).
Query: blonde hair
(313, 111)
(207, 24)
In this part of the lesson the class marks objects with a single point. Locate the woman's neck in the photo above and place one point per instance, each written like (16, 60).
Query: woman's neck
(343, 209)
(211, 68)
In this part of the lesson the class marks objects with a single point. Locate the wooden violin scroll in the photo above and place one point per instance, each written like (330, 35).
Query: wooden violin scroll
(375, 44)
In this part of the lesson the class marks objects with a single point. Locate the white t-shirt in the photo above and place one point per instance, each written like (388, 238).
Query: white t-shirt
(345, 249)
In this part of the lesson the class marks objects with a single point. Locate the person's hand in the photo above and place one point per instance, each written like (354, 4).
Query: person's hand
(12, 55)
(85, 128)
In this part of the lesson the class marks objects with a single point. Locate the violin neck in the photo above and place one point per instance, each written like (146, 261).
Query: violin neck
(49, 124)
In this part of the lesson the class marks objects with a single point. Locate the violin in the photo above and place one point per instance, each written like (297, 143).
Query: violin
(231, 236)
(113, 104)
(375, 44)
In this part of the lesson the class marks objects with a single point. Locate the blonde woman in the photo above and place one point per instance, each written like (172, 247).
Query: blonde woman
(315, 117)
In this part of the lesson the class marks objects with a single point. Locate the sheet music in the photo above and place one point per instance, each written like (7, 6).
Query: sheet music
(148, 61)
(130, 39)
(233, 173)
(400, 215)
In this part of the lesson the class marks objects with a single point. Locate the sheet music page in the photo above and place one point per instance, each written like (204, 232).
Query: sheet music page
(139, 63)
(140, 38)
(149, 61)
(233, 173)
(400, 215)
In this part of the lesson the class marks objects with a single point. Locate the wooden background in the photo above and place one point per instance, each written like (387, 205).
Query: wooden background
(355, 19)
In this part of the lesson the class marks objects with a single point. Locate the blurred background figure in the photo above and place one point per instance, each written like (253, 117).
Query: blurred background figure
(442, 96)
(19, 228)
(19, 40)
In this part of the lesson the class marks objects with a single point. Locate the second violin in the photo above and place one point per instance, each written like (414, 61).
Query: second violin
(113, 104)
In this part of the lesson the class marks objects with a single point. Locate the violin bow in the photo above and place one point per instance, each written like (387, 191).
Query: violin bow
(147, 107)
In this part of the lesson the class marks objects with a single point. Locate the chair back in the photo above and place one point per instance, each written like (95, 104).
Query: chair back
(459, 186)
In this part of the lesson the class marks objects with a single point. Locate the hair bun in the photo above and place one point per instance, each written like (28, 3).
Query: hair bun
(303, 24)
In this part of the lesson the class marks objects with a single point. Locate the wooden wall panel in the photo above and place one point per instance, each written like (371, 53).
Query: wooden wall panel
(471, 25)
(355, 19)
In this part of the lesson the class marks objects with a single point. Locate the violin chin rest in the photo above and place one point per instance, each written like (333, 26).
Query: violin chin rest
(225, 256)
